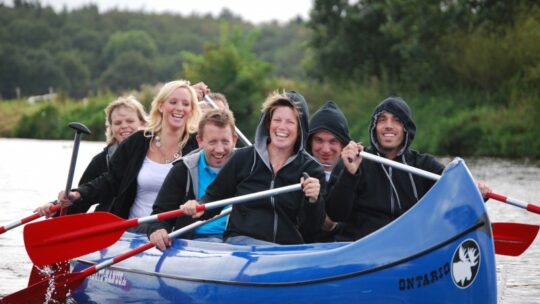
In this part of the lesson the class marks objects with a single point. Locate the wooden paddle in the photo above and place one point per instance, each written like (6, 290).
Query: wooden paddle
(512, 201)
(79, 234)
(57, 287)
(513, 239)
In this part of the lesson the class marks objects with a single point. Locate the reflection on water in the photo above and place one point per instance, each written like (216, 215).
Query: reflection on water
(33, 171)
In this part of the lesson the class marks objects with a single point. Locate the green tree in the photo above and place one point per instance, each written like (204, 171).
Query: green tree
(232, 68)
(76, 72)
(347, 41)
(41, 73)
(400, 39)
(130, 41)
(128, 71)
(12, 66)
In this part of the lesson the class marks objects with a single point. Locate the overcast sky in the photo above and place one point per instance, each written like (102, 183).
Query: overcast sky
(254, 11)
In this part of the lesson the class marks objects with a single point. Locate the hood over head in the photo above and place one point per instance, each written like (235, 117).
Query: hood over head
(299, 102)
(329, 118)
(398, 107)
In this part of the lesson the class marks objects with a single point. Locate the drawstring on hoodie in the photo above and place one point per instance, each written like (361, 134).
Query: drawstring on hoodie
(411, 179)
(393, 190)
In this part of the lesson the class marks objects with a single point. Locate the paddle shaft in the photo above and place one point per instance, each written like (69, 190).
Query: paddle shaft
(512, 201)
(242, 137)
(114, 225)
(217, 204)
(25, 220)
(74, 153)
(515, 202)
(79, 129)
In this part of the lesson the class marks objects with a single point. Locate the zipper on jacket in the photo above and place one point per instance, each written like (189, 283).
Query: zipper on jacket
(392, 203)
(272, 201)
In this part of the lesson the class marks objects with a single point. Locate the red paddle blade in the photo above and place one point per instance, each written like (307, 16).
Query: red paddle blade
(67, 237)
(513, 238)
(55, 288)
(39, 274)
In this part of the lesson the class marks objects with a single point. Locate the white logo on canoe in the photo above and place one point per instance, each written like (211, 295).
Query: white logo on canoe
(110, 276)
(466, 263)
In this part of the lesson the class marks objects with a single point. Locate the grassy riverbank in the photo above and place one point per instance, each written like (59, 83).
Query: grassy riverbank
(456, 124)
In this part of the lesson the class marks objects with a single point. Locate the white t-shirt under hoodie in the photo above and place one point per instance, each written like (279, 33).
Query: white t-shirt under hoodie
(149, 181)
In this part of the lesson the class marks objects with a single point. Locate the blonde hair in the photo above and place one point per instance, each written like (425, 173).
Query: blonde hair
(156, 118)
(125, 101)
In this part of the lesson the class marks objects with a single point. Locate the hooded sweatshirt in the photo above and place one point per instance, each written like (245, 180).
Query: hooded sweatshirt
(277, 218)
(330, 118)
(377, 194)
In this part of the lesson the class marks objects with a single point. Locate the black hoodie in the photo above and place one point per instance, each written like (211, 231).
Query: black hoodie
(378, 194)
(276, 219)
(330, 118)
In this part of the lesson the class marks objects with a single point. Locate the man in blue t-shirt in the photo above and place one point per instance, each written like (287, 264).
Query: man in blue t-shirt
(190, 177)
(213, 231)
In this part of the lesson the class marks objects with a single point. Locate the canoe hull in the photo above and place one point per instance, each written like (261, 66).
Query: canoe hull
(436, 253)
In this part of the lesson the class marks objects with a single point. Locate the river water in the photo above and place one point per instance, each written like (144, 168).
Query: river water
(32, 172)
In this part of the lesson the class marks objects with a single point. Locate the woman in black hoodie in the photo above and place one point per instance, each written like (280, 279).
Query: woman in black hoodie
(277, 159)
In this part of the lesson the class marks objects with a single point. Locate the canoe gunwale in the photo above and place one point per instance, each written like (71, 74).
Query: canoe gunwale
(474, 227)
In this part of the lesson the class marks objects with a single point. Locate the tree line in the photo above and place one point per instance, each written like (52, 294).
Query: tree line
(469, 69)
(83, 51)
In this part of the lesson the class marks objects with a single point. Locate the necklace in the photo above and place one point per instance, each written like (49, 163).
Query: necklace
(175, 156)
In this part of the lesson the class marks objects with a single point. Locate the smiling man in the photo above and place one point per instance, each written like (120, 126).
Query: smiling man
(190, 177)
(369, 195)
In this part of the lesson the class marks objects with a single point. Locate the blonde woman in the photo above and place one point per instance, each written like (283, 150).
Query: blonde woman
(141, 162)
(123, 117)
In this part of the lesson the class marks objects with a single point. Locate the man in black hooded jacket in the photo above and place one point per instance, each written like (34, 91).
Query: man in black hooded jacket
(328, 135)
(369, 195)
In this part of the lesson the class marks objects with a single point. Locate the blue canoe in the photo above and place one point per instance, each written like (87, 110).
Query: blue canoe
(440, 251)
